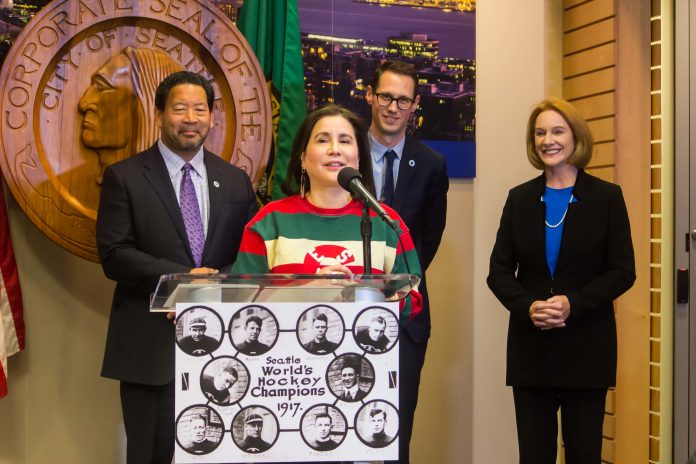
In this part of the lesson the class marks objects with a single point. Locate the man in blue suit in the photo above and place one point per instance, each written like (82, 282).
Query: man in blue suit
(411, 178)
(173, 208)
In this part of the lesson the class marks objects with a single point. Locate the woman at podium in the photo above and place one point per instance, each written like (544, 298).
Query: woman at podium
(316, 229)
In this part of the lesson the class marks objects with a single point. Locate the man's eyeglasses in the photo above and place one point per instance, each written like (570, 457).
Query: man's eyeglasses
(404, 103)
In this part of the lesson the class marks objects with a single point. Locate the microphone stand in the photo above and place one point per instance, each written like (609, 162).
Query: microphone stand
(366, 232)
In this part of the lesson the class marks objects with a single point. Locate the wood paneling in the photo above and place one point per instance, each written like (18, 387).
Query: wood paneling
(608, 450)
(587, 13)
(588, 37)
(609, 427)
(589, 84)
(602, 129)
(656, 153)
(606, 173)
(602, 155)
(571, 3)
(591, 60)
(611, 399)
(596, 106)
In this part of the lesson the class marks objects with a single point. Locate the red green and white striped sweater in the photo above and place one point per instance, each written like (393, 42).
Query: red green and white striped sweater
(292, 236)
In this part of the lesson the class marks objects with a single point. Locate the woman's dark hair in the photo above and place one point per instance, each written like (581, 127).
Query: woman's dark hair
(291, 186)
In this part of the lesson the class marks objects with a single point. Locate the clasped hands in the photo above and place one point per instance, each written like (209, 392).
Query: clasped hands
(550, 314)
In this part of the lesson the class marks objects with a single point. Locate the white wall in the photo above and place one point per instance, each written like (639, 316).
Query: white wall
(60, 410)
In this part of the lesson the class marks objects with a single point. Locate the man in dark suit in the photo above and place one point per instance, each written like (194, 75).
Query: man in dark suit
(173, 208)
(412, 179)
(349, 381)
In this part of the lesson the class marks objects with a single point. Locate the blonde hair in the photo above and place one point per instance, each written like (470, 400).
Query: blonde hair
(582, 137)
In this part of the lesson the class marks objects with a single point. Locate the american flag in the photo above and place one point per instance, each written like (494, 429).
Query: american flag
(11, 321)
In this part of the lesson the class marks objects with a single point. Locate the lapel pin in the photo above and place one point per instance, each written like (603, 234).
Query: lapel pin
(216, 184)
(411, 163)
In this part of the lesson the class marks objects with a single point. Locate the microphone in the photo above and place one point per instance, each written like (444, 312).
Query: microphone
(351, 180)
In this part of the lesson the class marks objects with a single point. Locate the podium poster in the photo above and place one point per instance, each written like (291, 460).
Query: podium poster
(284, 382)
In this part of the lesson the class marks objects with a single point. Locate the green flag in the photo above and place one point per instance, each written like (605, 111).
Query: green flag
(272, 28)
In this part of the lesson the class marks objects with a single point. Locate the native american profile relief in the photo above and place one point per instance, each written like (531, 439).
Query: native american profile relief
(77, 95)
(118, 108)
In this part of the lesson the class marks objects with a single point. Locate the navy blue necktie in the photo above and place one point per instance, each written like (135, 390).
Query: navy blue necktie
(388, 192)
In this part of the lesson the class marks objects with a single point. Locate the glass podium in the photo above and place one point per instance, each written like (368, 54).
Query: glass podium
(225, 288)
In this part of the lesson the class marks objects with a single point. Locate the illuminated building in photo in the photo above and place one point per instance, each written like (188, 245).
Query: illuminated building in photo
(413, 45)
(447, 5)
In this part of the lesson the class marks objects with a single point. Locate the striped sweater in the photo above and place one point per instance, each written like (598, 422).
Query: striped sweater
(291, 236)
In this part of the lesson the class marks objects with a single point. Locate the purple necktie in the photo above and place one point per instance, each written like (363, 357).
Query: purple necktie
(192, 215)
(388, 193)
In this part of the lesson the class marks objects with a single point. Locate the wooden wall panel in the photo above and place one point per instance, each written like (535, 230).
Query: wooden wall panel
(592, 60)
(589, 84)
(596, 106)
(603, 172)
(570, 3)
(608, 451)
(603, 154)
(660, 417)
(602, 129)
(587, 13)
(589, 36)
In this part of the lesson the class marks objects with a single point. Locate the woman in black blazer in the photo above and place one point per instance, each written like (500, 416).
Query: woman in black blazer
(562, 254)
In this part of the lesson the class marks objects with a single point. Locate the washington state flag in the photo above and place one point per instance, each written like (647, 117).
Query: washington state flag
(272, 28)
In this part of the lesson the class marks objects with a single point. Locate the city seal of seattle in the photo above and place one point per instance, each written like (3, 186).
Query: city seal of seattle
(77, 91)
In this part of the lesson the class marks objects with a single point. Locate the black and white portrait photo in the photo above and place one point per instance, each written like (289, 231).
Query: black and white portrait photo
(376, 330)
(199, 331)
(350, 377)
(199, 430)
(254, 429)
(377, 424)
(323, 427)
(224, 381)
(320, 330)
(254, 330)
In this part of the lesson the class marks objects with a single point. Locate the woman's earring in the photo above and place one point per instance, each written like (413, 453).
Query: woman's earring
(302, 176)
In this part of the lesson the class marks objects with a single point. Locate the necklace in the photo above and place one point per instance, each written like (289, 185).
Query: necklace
(553, 226)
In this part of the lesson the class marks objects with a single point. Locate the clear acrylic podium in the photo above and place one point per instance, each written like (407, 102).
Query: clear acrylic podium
(225, 288)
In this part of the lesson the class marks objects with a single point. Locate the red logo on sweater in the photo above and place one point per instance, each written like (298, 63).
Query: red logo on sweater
(325, 255)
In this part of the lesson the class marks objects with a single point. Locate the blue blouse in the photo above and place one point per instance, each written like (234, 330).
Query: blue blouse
(557, 203)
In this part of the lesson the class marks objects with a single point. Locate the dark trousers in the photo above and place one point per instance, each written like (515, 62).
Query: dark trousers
(582, 416)
(148, 416)
(411, 360)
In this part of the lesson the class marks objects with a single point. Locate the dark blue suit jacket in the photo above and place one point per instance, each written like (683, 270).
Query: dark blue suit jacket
(420, 199)
(140, 236)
